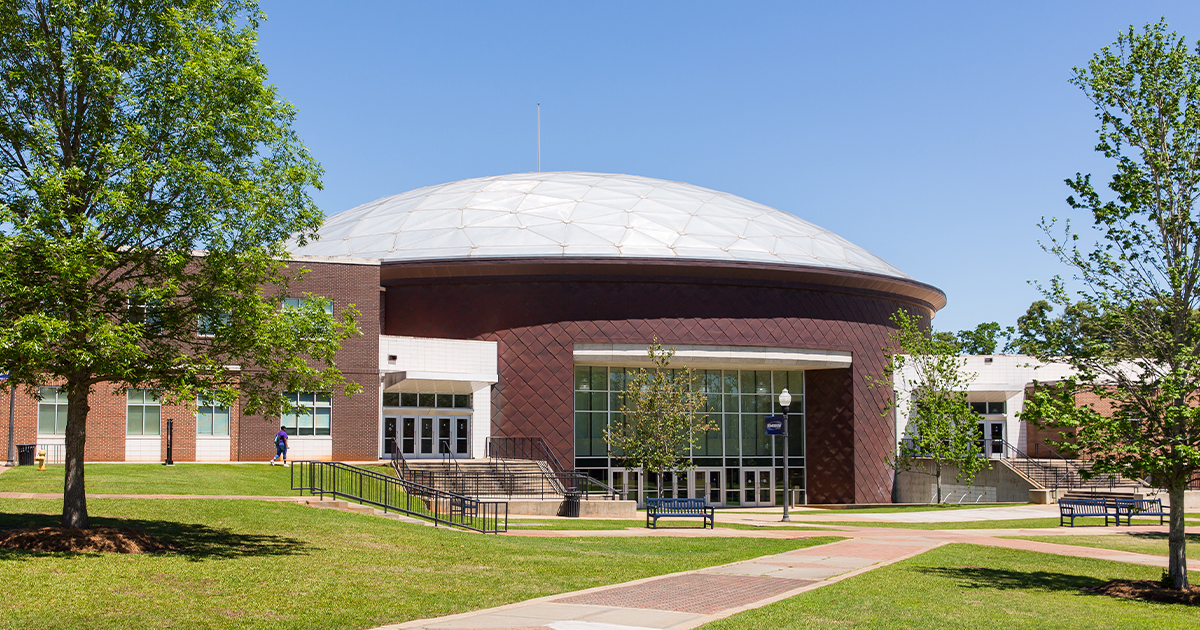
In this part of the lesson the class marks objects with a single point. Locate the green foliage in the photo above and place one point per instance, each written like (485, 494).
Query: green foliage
(932, 393)
(661, 419)
(150, 180)
(982, 340)
(1132, 331)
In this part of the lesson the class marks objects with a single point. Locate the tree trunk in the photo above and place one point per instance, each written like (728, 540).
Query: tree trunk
(74, 497)
(938, 468)
(1176, 540)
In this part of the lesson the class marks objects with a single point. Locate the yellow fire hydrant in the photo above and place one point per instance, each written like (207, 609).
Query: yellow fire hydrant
(41, 459)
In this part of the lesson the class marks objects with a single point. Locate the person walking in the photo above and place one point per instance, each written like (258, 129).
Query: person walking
(281, 446)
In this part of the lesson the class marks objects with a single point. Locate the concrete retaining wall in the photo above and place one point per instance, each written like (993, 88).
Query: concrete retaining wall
(552, 507)
(999, 485)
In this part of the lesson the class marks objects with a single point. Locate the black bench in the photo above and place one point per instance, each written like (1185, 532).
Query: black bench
(679, 508)
(1130, 508)
(1080, 508)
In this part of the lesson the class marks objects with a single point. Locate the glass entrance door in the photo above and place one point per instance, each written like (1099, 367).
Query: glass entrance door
(389, 437)
(991, 438)
(708, 483)
(627, 482)
(758, 486)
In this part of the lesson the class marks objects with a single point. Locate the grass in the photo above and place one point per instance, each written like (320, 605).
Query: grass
(972, 587)
(254, 564)
(226, 479)
(931, 507)
(1020, 523)
(1154, 544)
(588, 524)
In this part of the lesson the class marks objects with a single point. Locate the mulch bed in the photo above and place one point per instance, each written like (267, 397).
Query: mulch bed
(96, 539)
(1148, 591)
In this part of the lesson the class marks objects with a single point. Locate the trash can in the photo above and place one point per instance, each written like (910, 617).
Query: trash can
(25, 454)
(570, 505)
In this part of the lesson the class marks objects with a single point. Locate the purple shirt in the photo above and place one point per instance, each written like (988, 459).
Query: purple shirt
(281, 437)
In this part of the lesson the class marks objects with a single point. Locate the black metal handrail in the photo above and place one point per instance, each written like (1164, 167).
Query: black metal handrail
(524, 447)
(399, 462)
(444, 446)
(510, 484)
(403, 496)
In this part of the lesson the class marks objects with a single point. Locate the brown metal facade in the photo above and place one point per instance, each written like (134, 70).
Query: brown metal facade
(537, 315)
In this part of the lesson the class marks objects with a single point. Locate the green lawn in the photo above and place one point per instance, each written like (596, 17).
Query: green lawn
(1155, 544)
(973, 587)
(931, 507)
(1021, 523)
(588, 524)
(237, 479)
(253, 564)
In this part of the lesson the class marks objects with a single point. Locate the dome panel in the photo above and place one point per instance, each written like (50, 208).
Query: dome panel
(583, 215)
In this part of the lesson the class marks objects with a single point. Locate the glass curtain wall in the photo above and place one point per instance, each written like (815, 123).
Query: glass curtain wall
(738, 400)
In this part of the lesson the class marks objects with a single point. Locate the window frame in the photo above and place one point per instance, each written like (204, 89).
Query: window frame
(206, 400)
(59, 406)
(310, 404)
(143, 403)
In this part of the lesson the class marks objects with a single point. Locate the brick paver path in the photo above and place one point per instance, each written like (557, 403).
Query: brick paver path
(690, 593)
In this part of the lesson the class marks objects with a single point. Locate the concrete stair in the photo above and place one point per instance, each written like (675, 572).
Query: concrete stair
(486, 478)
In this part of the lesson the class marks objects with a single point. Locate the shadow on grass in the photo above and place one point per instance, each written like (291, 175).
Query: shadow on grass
(980, 577)
(1192, 539)
(196, 542)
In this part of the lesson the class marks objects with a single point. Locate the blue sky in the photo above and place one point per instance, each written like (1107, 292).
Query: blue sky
(934, 134)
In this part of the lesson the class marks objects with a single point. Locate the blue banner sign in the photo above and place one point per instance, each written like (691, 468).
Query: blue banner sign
(774, 425)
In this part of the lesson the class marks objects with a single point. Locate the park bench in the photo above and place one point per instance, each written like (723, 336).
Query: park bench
(1130, 508)
(679, 508)
(1080, 508)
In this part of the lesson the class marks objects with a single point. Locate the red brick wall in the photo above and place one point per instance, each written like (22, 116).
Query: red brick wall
(537, 320)
(355, 428)
(355, 419)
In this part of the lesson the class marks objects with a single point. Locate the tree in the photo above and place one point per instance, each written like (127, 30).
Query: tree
(150, 179)
(660, 417)
(1130, 328)
(931, 391)
(982, 340)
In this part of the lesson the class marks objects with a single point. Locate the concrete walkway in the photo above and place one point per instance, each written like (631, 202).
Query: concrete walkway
(694, 598)
(691, 598)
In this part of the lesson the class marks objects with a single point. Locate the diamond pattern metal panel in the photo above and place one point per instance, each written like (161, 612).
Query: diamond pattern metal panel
(537, 324)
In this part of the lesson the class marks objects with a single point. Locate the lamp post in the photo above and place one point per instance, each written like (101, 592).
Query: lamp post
(785, 401)
(12, 405)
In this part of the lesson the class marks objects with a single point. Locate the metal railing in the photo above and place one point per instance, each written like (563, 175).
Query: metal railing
(448, 458)
(402, 496)
(514, 484)
(524, 447)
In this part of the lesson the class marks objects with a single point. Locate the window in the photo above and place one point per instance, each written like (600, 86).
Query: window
(52, 411)
(146, 311)
(432, 401)
(289, 303)
(988, 408)
(212, 418)
(208, 325)
(737, 401)
(314, 416)
(143, 412)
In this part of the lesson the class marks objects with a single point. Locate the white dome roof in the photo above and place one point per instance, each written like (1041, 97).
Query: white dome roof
(588, 215)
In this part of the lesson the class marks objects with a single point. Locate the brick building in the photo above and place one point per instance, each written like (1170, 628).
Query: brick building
(515, 305)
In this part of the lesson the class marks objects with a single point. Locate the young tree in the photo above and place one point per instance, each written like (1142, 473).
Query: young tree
(1132, 330)
(661, 417)
(150, 179)
(931, 391)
